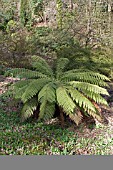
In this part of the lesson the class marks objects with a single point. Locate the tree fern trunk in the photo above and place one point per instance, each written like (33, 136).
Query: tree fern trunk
(36, 113)
(61, 117)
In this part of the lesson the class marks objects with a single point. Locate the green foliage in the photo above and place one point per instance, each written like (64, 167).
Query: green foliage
(38, 7)
(16, 46)
(18, 138)
(28, 108)
(41, 65)
(56, 43)
(102, 59)
(59, 5)
(70, 90)
(32, 138)
(8, 11)
(65, 44)
(2, 69)
(21, 44)
(11, 26)
(30, 10)
(64, 100)
(25, 12)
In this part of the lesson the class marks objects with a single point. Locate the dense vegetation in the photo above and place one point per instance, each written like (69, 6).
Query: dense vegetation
(59, 55)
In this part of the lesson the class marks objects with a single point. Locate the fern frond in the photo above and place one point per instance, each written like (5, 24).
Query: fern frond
(95, 97)
(95, 116)
(81, 100)
(28, 109)
(22, 83)
(89, 87)
(97, 75)
(14, 72)
(41, 65)
(24, 73)
(47, 93)
(64, 100)
(47, 98)
(87, 73)
(33, 88)
(61, 64)
(47, 110)
(85, 104)
(86, 77)
(76, 118)
(20, 87)
(19, 92)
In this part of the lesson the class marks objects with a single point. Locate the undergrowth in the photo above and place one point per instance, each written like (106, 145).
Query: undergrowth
(32, 138)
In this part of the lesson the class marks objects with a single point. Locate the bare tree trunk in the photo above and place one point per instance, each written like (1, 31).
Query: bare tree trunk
(109, 22)
(71, 4)
(109, 5)
(88, 15)
(109, 15)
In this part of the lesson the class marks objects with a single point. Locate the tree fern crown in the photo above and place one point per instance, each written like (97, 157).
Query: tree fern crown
(72, 90)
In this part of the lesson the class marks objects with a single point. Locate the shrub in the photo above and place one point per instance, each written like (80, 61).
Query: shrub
(16, 47)
(8, 11)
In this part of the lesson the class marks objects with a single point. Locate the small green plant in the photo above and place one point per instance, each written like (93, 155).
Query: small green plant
(2, 69)
(74, 92)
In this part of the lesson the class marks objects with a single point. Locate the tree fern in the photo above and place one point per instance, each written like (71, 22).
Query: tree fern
(75, 92)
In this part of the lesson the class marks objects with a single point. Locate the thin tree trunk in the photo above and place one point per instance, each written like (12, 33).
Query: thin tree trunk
(88, 15)
(109, 15)
(71, 4)
(109, 5)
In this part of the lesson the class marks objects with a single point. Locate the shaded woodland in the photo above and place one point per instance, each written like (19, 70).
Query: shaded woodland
(56, 77)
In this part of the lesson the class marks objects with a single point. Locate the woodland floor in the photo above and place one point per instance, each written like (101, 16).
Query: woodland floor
(97, 140)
